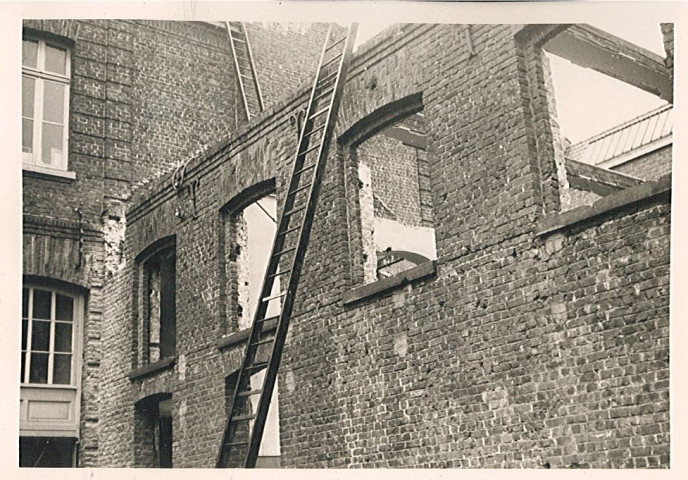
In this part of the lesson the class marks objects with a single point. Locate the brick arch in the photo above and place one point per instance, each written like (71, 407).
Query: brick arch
(249, 195)
(379, 119)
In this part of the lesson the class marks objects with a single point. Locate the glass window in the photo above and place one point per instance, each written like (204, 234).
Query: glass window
(45, 94)
(48, 320)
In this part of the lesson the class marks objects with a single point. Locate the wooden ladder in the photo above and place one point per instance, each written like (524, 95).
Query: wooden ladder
(245, 69)
(244, 429)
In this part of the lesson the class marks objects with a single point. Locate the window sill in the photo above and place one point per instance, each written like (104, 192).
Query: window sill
(48, 173)
(152, 368)
(370, 290)
(604, 205)
(242, 335)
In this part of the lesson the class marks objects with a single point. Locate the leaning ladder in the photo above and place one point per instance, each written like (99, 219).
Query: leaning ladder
(245, 69)
(244, 429)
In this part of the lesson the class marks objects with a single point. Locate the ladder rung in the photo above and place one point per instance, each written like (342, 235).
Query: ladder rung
(242, 418)
(258, 366)
(235, 444)
(286, 250)
(336, 43)
(263, 342)
(281, 234)
(319, 112)
(248, 394)
(315, 147)
(323, 94)
(267, 319)
(308, 134)
(279, 295)
(293, 192)
(299, 172)
(293, 210)
(331, 60)
(328, 78)
(278, 274)
(238, 39)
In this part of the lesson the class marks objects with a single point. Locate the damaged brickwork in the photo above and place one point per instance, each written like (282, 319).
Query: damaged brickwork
(536, 339)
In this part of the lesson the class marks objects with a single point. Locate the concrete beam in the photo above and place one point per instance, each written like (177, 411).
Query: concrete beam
(590, 47)
(407, 137)
(601, 181)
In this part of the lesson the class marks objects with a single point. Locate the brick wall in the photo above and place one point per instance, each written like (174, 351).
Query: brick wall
(651, 166)
(522, 349)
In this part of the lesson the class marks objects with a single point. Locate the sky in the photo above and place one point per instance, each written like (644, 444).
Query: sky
(588, 102)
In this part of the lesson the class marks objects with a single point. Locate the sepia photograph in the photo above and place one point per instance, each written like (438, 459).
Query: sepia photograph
(354, 240)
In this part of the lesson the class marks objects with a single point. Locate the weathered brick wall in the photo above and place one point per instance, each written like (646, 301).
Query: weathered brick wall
(184, 96)
(285, 56)
(652, 166)
(521, 350)
(395, 182)
(98, 154)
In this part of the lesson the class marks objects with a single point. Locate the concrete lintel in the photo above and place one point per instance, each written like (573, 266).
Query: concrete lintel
(407, 137)
(590, 47)
(604, 205)
(402, 278)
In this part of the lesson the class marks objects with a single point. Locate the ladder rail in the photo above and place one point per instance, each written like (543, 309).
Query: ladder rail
(237, 69)
(297, 260)
(293, 273)
(253, 68)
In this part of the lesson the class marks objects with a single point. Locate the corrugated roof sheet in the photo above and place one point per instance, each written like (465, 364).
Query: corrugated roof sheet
(624, 138)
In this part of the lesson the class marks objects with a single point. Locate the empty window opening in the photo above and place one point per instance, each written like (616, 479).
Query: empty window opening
(153, 432)
(395, 200)
(157, 328)
(47, 452)
(250, 233)
(611, 104)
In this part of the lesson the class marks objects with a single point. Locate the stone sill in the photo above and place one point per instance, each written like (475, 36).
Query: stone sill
(604, 205)
(152, 368)
(48, 173)
(370, 290)
(242, 335)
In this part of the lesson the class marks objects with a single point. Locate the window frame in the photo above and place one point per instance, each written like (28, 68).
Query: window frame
(77, 322)
(33, 160)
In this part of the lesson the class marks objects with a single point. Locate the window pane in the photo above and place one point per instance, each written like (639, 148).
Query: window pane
(62, 369)
(55, 59)
(27, 135)
(52, 145)
(41, 304)
(28, 96)
(64, 308)
(23, 366)
(63, 337)
(25, 302)
(39, 368)
(29, 53)
(25, 332)
(40, 336)
(53, 102)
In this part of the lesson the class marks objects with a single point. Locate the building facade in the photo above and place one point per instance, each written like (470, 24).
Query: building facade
(456, 308)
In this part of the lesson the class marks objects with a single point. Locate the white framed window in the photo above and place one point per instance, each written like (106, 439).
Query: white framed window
(45, 104)
(50, 321)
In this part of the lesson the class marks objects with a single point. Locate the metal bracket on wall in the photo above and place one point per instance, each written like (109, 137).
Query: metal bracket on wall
(80, 214)
(185, 190)
(296, 119)
(469, 41)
